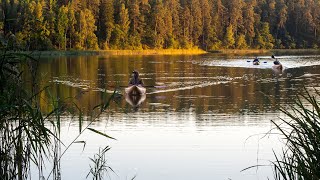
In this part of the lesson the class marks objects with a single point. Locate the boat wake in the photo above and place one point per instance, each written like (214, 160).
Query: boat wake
(204, 84)
(81, 84)
(265, 62)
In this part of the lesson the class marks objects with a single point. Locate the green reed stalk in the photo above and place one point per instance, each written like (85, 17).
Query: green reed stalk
(300, 159)
(99, 167)
(24, 136)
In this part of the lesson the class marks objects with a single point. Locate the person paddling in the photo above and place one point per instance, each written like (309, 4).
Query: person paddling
(135, 80)
(256, 61)
(277, 64)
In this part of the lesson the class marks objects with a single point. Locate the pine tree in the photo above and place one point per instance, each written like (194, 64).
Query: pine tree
(173, 8)
(106, 23)
(185, 25)
(158, 24)
(241, 42)
(265, 39)
(235, 14)
(219, 18)
(206, 22)
(229, 37)
(136, 24)
(196, 19)
(86, 39)
(249, 21)
(71, 25)
(120, 34)
(62, 27)
(50, 18)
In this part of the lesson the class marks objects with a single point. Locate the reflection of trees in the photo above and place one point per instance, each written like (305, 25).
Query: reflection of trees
(236, 90)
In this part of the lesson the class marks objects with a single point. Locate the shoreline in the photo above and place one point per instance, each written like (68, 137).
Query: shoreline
(172, 52)
(267, 51)
(116, 52)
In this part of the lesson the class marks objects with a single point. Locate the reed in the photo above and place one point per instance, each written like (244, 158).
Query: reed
(241, 51)
(24, 134)
(99, 168)
(295, 51)
(300, 158)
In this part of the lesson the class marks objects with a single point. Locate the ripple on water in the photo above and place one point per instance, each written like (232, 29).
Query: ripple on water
(267, 62)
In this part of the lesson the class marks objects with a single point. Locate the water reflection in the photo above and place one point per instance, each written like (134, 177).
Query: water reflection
(135, 100)
(184, 83)
(199, 108)
(278, 71)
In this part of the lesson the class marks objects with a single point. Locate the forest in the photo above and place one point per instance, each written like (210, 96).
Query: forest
(159, 24)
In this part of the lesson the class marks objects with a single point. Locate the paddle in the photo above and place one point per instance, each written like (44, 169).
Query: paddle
(263, 62)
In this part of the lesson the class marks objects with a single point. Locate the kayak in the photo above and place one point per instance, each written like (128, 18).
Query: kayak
(256, 63)
(277, 67)
(135, 90)
(135, 101)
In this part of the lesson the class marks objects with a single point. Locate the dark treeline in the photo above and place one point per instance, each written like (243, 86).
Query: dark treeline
(149, 24)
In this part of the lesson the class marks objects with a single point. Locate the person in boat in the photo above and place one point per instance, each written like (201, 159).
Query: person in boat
(135, 80)
(256, 61)
(277, 65)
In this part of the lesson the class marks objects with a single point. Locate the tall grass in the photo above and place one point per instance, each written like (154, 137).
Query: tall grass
(99, 168)
(25, 138)
(300, 158)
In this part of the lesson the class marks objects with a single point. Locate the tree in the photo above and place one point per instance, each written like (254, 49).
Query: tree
(219, 18)
(241, 42)
(106, 23)
(229, 37)
(86, 37)
(50, 18)
(196, 21)
(264, 39)
(207, 29)
(235, 14)
(185, 40)
(120, 34)
(173, 8)
(136, 25)
(158, 24)
(172, 21)
(34, 32)
(71, 25)
(62, 27)
(249, 21)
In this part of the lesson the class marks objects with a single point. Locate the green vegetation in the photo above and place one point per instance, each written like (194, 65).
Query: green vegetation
(27, 134)
(159, 24)
(301, 156)
(99, 169)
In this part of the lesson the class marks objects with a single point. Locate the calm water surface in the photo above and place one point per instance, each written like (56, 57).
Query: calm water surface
(205, 117)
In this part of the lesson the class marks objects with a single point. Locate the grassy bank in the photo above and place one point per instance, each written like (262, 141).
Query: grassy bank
(241, 51)
(258, 52)
(118, 52)
(278, 52)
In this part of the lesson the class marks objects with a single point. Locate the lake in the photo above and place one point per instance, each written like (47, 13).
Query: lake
(203, 117)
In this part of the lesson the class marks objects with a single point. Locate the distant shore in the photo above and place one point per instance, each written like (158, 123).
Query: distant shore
(267, 51)
(117, 52)
(173, 52)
